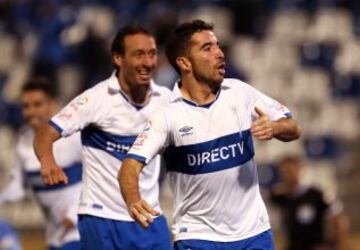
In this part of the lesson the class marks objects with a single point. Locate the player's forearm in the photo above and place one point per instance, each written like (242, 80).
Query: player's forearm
(286, 129)
(128, 178)
(43, 143)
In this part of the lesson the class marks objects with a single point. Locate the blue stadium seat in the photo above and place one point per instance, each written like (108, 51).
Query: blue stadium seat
(346, 86)
(322, 147)
(320, 55)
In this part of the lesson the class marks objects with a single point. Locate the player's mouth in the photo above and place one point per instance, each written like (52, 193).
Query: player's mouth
(144, 74)
(34, 121)
(221, 68)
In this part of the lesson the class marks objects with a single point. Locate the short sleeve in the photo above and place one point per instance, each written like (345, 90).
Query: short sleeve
(78, 114)
(271, 107)
(152, 139)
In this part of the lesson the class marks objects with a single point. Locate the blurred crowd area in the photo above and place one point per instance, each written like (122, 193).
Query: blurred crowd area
(305, 53)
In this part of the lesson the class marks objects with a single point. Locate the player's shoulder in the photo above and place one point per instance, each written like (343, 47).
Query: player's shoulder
(98, 89)
(93, 95)
(163, 113)
(239, 87)
(160, 91)
(234, 83)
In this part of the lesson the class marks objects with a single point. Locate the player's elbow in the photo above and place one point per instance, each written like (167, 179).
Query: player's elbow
(294, 131)
(291, 132)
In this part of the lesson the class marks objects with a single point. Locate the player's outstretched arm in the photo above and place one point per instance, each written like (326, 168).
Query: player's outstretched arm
(284, 129)
(43, 145)
(128, 178)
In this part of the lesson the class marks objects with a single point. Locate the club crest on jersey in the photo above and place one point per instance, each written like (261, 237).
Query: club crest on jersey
(82, 100)
(186, 130)
(147, 126)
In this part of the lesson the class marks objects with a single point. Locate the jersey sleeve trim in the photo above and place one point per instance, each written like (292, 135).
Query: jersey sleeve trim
(137, 157)
(56, 127)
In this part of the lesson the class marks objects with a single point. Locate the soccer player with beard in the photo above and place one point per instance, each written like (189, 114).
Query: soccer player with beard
(110, 116)
(206, 133)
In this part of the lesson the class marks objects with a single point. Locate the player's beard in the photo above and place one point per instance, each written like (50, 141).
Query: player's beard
(205, 78)
(138, 91)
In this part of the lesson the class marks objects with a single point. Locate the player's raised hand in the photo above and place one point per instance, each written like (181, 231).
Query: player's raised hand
(142, 212)
(52, 174)
(262, 128)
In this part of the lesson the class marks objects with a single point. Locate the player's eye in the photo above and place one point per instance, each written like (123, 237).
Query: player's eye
(138, 54)
(153, 53)
(207, 48)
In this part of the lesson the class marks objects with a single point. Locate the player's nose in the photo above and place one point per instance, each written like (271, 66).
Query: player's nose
(148, 62)
(220, 54)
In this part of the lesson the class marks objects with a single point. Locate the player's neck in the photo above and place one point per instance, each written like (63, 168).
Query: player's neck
(196, 91)
(138, 94)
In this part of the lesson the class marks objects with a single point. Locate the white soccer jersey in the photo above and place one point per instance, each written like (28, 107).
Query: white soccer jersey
(109, 124)
(57, 202)
(209, 153)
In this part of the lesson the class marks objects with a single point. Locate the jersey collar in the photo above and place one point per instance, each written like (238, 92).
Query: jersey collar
(114, 87)
(177, 96)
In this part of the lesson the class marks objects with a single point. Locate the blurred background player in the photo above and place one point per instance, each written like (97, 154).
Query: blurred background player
(59, 202)
(307, 214)
(110, 116)
(206, 133)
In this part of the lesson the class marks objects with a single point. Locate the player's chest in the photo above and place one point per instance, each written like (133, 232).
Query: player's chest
(123, 118)
(192, 124)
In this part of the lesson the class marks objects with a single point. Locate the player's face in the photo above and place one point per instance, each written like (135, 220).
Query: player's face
(36, 107)
(139, 60)
(206, 57)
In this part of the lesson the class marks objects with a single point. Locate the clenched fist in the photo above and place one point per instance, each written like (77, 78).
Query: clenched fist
(262, 128)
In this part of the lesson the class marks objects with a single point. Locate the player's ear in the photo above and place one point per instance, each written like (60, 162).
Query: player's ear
(117, 59)
(184, 64)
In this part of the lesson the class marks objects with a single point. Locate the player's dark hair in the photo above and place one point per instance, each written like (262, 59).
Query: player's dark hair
(42, 84)
(178, 41)
(118, 45)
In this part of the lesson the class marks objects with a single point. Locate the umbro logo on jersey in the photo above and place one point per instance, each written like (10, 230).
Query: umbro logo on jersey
(186, 130)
